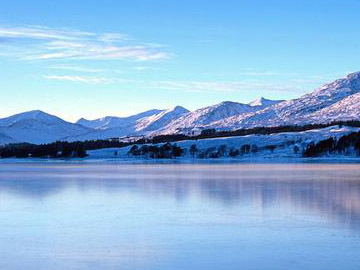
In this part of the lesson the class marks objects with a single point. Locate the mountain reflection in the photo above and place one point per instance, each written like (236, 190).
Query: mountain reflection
(331, 191)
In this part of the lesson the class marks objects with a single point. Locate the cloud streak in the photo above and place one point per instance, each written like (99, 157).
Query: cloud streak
(77, 69)
(81, 79)
(229, 86)
(44, 43)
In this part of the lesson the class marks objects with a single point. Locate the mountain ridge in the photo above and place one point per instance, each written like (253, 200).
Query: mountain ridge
(37, 127)
(335, 101)
(299, 110)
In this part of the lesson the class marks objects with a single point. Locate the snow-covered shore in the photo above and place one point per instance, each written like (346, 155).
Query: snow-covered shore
(273, 146)
(284, 147)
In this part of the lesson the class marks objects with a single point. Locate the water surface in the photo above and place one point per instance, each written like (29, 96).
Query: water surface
(169, 217)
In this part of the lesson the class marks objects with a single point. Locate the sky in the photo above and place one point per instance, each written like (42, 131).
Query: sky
(119, 57)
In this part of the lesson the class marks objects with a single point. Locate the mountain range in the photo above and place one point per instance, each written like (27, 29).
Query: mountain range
(339, 100)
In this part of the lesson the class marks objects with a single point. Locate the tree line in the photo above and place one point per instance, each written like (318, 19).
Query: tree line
(59, 149)
(63, 149)
(346, 145)
(213, 133)
(166, 150)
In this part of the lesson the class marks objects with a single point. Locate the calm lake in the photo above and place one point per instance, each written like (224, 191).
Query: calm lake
(168, 217)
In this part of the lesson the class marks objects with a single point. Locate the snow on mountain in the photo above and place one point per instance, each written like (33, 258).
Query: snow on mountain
(113, 121)
(161, 119)
(140, 124)
(344, 110)
(37, 127)
(263, 102)
(339, 100)
(34, 115)
(309, 108)
(4, 139)
(205, 117)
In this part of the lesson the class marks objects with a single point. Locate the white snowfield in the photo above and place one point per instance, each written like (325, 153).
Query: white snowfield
(336, 101)
(285, 144)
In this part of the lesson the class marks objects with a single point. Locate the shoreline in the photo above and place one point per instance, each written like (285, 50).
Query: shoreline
(185, 160)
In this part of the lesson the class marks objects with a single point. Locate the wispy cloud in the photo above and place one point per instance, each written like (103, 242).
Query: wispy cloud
(260, 73)
(77, 69)
(141, 68)
(232, 86)
(81, 79)
(41, 32)
(44, 43)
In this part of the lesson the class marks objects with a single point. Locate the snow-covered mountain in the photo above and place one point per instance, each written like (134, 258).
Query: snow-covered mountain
(161, 119)
(344, 110)
(36, 127)
(4, 139)
(263, 102)
(114, 121)
(309, 108)
(139, 124)
(339, 100)
(206, 117)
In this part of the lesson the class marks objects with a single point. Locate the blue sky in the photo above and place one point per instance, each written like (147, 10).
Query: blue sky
(95, 58)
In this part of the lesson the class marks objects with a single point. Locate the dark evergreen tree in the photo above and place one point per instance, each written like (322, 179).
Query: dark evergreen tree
(193, 150)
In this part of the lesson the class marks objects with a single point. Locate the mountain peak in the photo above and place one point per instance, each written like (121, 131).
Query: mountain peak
(258, 102)
(30, 115)
(353, 76)
(180, 109)
(228, 102)
(264, 102)
(354, 80)
(34, 114)
(350, 82)
(38, 127)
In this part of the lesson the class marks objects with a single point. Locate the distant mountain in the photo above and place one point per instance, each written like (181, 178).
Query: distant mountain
(37, 127)
(4, 139)
(116, 122)
(161, 119)
(339, 100)
(310, 108)
(139, 124)
(263, 102)
(207, 116)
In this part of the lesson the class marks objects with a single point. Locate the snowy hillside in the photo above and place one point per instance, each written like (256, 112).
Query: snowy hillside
(140, 124)
(346, 109)
(310, 108)
(263, 102)
(116, 122)
(4, 139)
(289, 144)
(160, 120)
(37, 127)
(204, 117)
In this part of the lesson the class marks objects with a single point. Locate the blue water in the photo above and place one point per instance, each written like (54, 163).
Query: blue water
(180, 216)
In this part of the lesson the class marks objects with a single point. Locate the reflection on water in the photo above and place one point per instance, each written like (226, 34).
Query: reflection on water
(179, 216)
